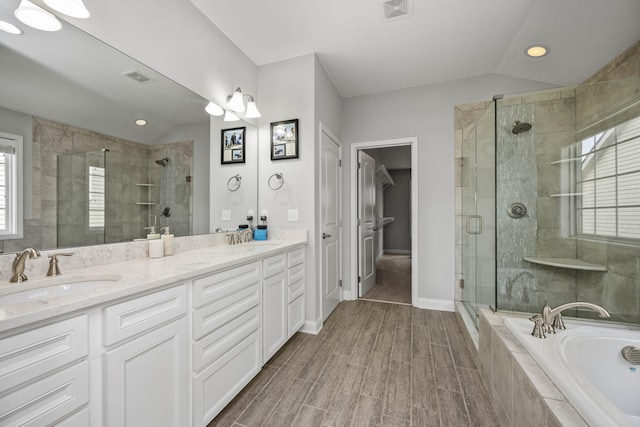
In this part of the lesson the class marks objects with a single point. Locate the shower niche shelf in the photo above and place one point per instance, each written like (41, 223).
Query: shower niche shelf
(570, 160)
(146, 203)
(565, 194)
(570, 263)
(146, 185)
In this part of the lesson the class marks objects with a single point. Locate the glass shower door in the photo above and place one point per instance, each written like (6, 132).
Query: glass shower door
(478, 215)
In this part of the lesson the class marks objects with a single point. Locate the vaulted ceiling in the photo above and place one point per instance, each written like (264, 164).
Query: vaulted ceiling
(439, 40)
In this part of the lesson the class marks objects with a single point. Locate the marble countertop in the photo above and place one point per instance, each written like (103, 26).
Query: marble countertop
(125, 279)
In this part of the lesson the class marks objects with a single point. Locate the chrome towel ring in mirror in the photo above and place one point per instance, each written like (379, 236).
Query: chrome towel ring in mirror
(234, 183)
(280, 181)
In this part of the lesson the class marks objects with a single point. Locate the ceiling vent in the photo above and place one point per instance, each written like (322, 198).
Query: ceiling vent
(137, 76)
(394, 9)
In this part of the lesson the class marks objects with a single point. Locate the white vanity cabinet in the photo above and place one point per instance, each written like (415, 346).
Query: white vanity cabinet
(145, 362)
(227, 337)
(283, 288)
(44, 375)
(295, 290)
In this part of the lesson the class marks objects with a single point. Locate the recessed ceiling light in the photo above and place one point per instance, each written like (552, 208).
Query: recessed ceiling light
(141, 122)
(9, 28)
(537, 51)
(73, 8)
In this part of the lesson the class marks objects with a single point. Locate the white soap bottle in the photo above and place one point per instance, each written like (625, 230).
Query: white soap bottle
(169, 243)
(156, 248)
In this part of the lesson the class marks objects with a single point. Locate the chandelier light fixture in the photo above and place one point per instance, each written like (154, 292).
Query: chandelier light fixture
(235, 103)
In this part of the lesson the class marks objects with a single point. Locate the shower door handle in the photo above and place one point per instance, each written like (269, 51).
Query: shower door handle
(468, 224)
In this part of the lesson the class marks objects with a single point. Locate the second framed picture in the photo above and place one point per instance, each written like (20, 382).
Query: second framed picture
(232, 145)
(284, 140)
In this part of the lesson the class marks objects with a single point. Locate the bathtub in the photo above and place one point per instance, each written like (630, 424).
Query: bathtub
(585, 363)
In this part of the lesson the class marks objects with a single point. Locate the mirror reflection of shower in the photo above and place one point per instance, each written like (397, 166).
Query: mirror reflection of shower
(519, 127)
(163, 162)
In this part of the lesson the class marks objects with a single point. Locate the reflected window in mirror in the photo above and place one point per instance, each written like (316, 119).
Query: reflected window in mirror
(10, 186)
(96, 197)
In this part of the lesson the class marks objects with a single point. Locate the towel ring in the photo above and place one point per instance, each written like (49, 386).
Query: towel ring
(234, 183)
(277, 175)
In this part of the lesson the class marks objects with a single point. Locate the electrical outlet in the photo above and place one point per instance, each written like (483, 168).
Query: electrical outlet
(250, 212)
(293, 215)
(264, 212)
(226, 215)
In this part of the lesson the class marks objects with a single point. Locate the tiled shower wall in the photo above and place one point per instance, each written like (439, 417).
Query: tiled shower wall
(559, 118)
(127, 163)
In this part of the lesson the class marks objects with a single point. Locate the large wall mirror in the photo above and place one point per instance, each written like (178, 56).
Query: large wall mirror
(91, 174)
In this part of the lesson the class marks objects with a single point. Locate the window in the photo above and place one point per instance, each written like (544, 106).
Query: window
(609, 183)
(10, 186)
(96, 197)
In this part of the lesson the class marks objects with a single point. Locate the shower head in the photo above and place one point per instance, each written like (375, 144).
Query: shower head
(163, 162)
(519, 127)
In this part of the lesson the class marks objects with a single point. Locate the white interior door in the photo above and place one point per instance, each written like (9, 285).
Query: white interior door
(331, 223)
(366, 222)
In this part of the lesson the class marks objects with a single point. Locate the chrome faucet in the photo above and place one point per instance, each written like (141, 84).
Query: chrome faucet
(246, 235)
(550, 319)
(17, 267)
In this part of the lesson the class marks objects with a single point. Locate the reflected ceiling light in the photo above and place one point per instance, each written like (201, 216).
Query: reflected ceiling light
(235, 102)
(214, 109)
(252, 110)
(537, 51)
(36, 17)
(73, 8)
(9, 28)
(141, 122)
(230, 117)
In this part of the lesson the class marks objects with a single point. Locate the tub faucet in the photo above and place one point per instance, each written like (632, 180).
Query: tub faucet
(551, 318)
(17, 267)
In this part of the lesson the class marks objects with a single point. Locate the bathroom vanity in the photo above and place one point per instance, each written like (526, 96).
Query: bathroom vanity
(162, 342)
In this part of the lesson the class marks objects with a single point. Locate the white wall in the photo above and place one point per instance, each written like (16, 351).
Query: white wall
(424, 112)
(239, 202)
(286, 91)
(175, 39)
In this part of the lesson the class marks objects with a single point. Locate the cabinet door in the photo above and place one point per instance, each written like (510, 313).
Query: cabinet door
(274, 314)
(146, 379)
(296, 315)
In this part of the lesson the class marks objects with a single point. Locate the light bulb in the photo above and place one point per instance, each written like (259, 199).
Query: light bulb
(214, 109)
(252, 109)
(73, 8)
(36, 17)
(235, 103)
(230, 117)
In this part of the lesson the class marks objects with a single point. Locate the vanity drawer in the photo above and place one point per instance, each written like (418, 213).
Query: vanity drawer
(30, 354)
(222, 340)
(296, 274)
(132, 317)
(45, 401)
(218, 286)
(295, 257)
(220, 313)
(274, 265)
(295, 290)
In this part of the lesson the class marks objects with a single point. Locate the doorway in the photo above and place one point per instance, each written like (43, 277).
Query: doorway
(384, 190)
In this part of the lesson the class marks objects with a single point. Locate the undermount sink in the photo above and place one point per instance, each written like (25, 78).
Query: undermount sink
(45, 289)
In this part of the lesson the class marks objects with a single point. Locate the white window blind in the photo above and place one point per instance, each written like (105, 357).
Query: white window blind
(609, 183)
(96, 197)
(10, 186)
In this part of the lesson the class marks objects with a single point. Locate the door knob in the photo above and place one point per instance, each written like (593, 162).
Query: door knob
(325, 235)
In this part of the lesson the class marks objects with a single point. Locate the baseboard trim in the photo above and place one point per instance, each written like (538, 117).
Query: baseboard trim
(312, 327)
(436, 304)
(347, 295)
(398, 251)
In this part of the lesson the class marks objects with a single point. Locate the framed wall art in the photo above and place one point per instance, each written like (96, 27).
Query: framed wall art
(232, 145)
(284, 140)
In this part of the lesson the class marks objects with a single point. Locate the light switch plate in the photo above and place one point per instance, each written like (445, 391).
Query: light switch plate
(293, 215)
(226, 215)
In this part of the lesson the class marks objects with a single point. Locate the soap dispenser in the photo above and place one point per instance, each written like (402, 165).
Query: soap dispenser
(167, 239)
(152, 235)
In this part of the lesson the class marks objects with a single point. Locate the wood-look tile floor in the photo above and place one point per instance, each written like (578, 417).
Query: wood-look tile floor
(373, 364)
